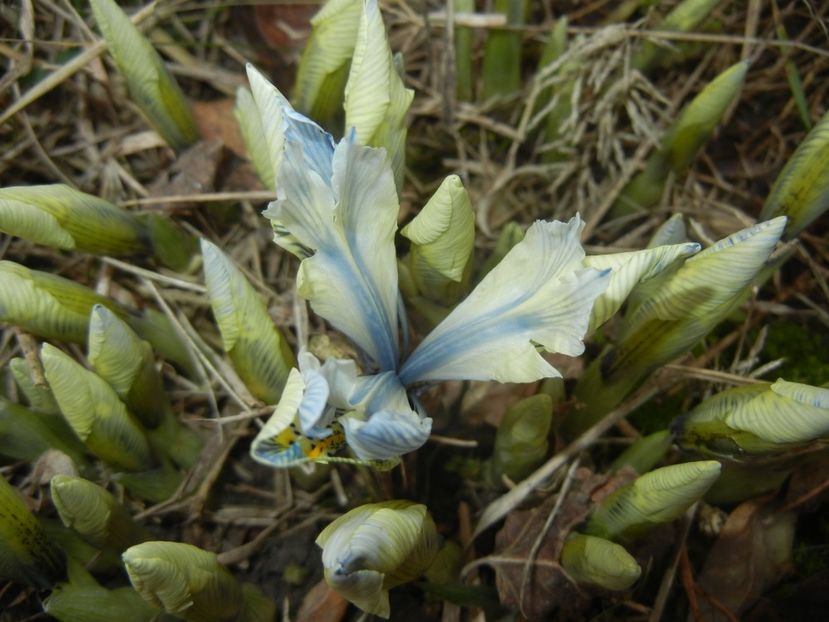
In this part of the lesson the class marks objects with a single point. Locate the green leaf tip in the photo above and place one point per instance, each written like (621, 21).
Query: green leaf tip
(801, 190)
(656, 497)
(61, 217)
(27, 555)
(151, 85)
(259, 352)
(759, 419)
(376, 100)
(596, 561)
(323, 67)
(191, 584)
(443, 237)
(253, 135)
(97, 416)
(94, 514)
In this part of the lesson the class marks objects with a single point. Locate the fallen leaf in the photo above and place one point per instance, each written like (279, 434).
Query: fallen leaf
(488, 401)
(216, 122)
(547, 588)
(284, 27)
(322, 604)
(753, 552)
(809, 598)
(195, 172)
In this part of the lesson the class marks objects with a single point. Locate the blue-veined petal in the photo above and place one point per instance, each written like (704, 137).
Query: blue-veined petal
(379, 392)
(282, 124)
(383, 425)
(340, 376)
(540, 293)
(348, 222)
(386, 434)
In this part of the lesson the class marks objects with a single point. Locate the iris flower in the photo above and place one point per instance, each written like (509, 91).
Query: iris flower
(336, 209)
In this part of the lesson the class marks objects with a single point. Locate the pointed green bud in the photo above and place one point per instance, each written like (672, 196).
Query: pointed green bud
(686, 136)
(95, 413)
(151, 86)
(645, 453)
(25, 435)
(126, 362)
(801, 190)
(654, 498)
(39, 396)
(46, 305)
(94, 514)
(62, 217)
(53, 307)
(628, 270)
(323, 67)
(698, 120)
(443, 237)
(686, 16)
(758, 419)
(376, 547)
(376, 101)
(253, 135)
(259, 352)
(26, 554)
(685, 308)
(83, 599)
(596, 561)
(521, 441)
(185, 581)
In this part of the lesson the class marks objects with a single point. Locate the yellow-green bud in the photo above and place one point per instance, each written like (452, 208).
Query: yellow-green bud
(375, 547)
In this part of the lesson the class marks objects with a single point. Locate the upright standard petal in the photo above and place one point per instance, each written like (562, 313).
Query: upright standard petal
(539, 294)
(348, 221)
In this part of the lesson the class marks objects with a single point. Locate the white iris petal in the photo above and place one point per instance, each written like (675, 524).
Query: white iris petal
(540, 293)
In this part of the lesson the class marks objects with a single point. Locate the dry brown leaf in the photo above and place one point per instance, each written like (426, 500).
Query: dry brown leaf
(322, 604)
(284, 27)
(216, 122)
(547, 588)
(752, 553)
(196, 171)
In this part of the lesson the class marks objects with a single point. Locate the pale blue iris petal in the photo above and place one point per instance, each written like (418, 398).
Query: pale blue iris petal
(269, 453)
(318, 145)
(367, 210)
(314, 414)
(386, 434)
(337, 293)
(539, 294)
(348, 222)
(305, 201)
(379, 392)
(341, 375)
